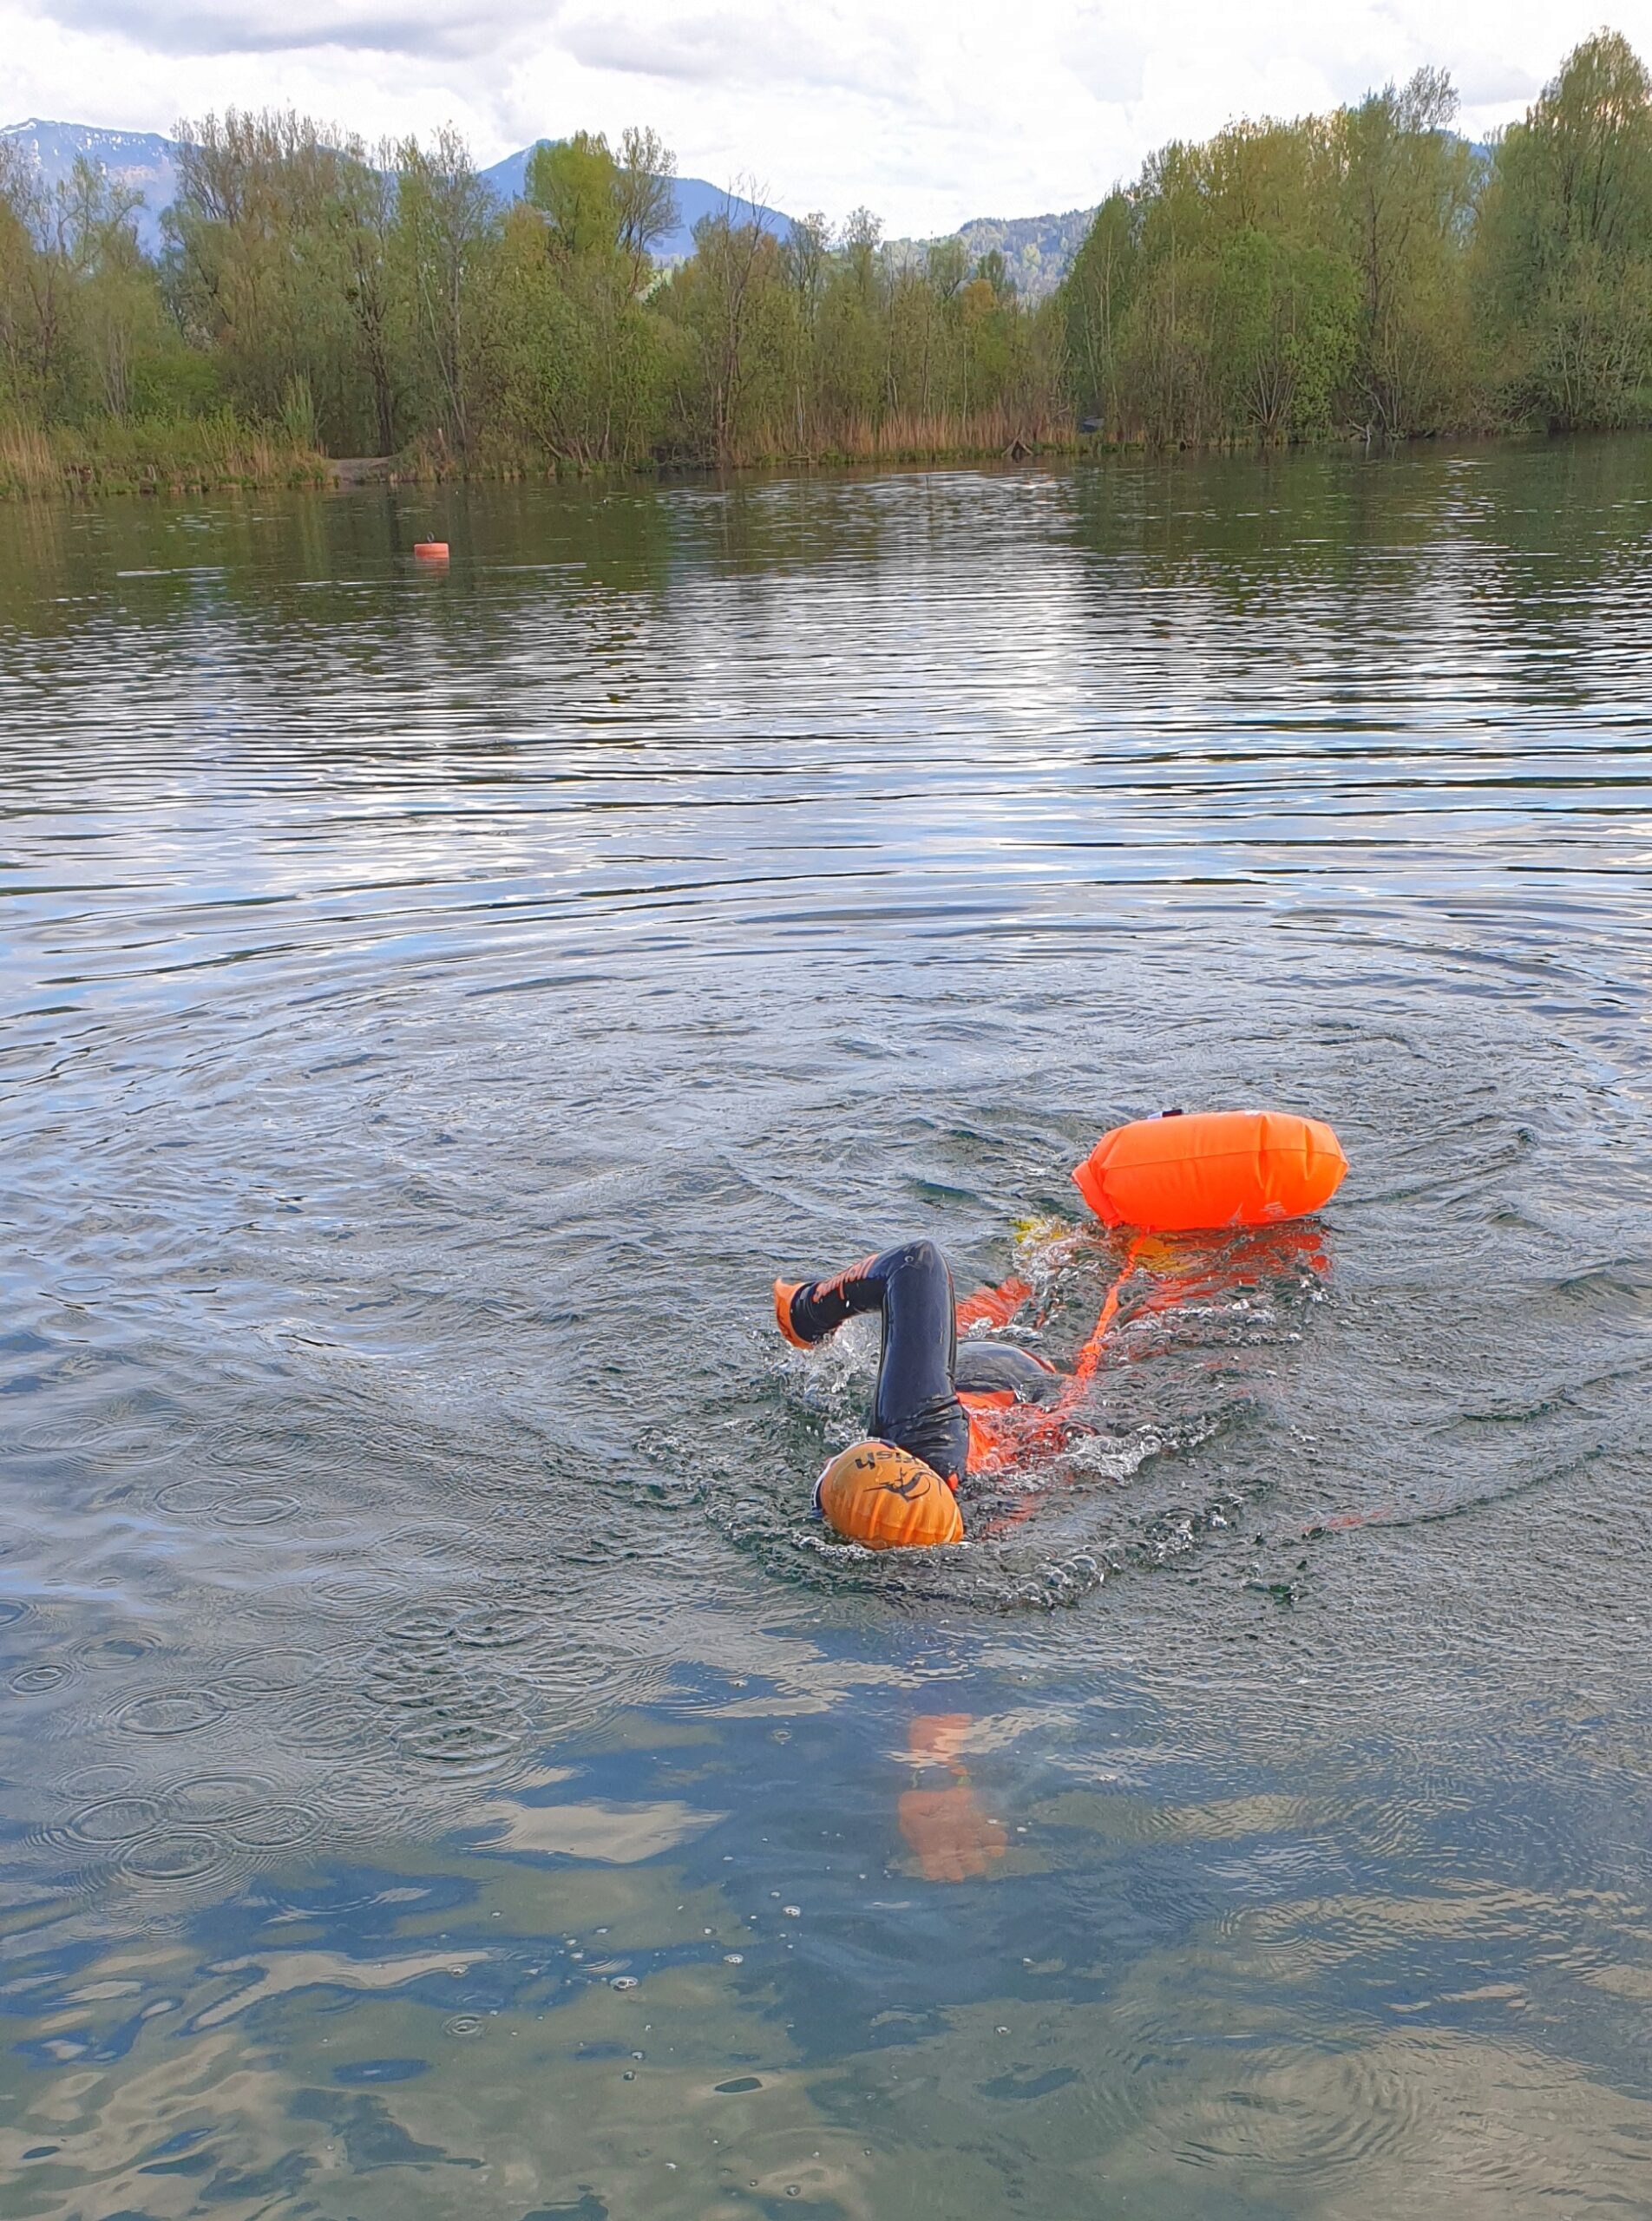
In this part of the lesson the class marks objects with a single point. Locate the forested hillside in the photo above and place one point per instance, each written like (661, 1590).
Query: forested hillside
(1038, 251)
(1363, 273)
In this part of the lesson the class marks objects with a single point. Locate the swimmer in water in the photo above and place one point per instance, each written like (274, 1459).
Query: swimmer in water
(944, 1409)
(920, 1428)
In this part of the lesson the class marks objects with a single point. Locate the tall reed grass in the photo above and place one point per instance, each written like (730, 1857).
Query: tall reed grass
(909, 436)
(151, 456)
(203, 454)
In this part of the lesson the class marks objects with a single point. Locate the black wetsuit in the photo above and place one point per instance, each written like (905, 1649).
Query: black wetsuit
(921, 1368)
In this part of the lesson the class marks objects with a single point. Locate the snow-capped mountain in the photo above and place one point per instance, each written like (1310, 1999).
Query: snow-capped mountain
(148, 162)
(143, 159)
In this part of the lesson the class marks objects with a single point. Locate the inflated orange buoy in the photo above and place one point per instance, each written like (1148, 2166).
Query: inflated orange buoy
(1181, 1173)
(886, 1499)
(430, 551)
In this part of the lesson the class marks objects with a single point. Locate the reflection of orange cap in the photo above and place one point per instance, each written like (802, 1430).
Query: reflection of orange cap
(888, 1499)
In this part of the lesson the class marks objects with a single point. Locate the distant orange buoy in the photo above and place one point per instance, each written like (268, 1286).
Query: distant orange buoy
(886, 1499)
(1180, 1174)
(430, 551)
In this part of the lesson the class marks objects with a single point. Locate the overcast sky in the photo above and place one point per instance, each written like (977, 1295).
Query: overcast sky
(928, 111)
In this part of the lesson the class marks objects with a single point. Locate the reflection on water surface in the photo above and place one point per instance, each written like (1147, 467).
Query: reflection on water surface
(444, 1769)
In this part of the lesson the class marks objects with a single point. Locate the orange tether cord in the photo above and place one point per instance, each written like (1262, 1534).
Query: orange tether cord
(1039, 1429)
(1088, 1358)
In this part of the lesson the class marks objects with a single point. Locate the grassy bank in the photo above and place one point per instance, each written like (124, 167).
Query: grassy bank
(206, 454)
(168, 455)
(210, 455)
(985, 435)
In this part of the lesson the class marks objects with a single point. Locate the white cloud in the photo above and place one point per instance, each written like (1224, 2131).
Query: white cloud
(942, 110)
(838, 50)
(226, 27)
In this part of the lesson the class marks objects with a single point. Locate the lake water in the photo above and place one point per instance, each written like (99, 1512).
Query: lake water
(444, 1771)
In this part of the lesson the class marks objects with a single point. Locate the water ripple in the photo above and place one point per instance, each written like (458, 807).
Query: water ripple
(434, 1010)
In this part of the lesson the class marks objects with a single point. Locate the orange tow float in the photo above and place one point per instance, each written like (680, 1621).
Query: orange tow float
(1186, 1175)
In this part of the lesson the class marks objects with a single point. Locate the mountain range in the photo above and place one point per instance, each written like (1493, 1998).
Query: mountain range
(147, 163)
(1037, 248)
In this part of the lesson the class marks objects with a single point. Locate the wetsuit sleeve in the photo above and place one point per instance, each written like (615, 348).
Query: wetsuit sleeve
(819, 1307)
(990, 1368)
(911, 1288)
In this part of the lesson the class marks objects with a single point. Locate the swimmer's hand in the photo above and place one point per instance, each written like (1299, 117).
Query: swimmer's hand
(951, 1835)
(783, 1292)
(953, 1838)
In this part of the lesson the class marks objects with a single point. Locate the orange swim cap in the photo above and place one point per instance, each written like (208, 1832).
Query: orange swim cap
(886, 1499)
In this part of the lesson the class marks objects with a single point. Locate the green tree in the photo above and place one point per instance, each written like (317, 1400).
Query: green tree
(1094, 302)
(84, 324)
(587, 359)
(607, 206)
(124, 329)
(575, 182)
(647, 198)
(443, 245)
(805, 260)
(1564, 257)
(732, 302)
(585, 366)
(1406, 199)
(1285, 335)
(1283, 277)
(852, 332)
(263, 268)
(41, 342)
(366, 218)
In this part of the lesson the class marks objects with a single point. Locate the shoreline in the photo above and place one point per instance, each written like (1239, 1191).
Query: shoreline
(54, 468)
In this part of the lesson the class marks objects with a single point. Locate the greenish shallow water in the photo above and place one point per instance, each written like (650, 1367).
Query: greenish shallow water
(444, 1771)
